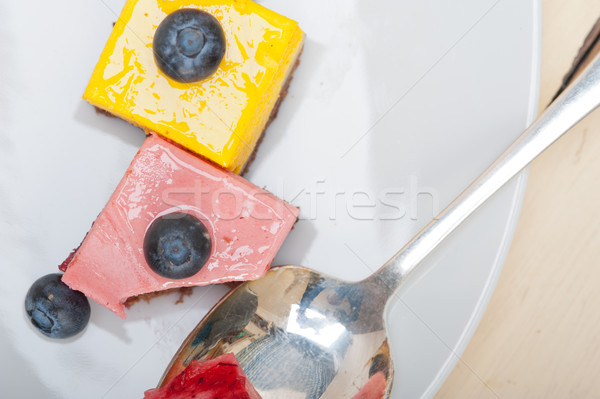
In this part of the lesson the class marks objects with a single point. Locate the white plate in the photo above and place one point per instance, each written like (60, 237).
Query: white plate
(395, 108)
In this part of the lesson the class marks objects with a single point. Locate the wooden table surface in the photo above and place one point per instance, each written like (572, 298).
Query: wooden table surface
(540, 336)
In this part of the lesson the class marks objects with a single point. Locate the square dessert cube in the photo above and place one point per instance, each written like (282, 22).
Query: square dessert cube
(220, 117)
(175, 221)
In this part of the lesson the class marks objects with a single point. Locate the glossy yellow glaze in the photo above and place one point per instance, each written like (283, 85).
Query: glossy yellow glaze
(220, 118)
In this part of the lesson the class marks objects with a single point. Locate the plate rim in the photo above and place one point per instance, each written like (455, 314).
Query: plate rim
(509, 232)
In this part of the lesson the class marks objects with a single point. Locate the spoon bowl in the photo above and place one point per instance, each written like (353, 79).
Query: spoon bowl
(300, 334)
(297, 334)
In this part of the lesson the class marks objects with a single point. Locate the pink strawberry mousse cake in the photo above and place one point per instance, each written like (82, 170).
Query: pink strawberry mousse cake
(176, 221)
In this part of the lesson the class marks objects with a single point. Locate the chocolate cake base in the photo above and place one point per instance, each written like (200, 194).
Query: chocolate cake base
(183, 292)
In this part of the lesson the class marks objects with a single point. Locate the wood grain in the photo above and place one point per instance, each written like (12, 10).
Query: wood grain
(540, 336)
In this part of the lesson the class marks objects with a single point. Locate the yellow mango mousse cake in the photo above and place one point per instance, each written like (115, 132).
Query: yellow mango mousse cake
(209, 82)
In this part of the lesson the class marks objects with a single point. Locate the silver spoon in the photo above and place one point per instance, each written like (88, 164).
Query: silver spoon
(300, 334)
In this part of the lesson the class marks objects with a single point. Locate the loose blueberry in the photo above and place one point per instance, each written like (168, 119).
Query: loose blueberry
(177, 245)
(55, 309)
(189, 45)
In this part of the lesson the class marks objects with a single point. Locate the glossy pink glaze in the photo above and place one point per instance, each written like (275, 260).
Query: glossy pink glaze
(247, 226)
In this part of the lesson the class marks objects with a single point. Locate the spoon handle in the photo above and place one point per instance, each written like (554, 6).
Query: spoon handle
(582, 97)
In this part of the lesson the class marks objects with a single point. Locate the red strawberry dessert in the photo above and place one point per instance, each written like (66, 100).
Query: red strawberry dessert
(221, 377)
